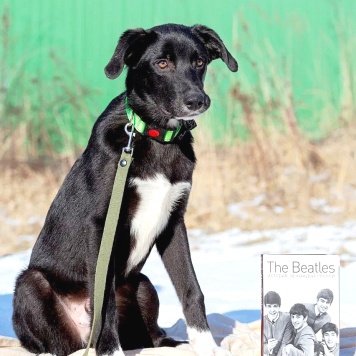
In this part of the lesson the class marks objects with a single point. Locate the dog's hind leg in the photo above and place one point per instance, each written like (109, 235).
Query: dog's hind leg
(40, 320)
(138, 304)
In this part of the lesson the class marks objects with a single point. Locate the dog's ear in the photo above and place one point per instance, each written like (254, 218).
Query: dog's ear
(129, 50)
(215, 46)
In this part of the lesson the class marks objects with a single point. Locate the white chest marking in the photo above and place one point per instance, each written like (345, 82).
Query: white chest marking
(157, 199)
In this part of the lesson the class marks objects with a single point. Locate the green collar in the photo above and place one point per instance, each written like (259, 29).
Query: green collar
(156, 133)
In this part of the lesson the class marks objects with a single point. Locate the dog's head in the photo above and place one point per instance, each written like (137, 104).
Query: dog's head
(166, 69)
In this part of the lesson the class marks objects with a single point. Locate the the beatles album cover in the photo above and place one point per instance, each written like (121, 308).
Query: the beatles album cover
(300, 304)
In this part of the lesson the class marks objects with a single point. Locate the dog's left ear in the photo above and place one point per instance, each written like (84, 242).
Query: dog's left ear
(215, 46)
(129, 50)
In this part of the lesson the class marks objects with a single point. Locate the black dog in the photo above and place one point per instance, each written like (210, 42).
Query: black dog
(54, 295)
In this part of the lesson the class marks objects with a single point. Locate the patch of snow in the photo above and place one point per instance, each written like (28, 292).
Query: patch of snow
(237, 209)
(322, 206)
(10, 267)
(36, 220)
(227, 265)
(12, 222)
(321, 177)
(278, 210)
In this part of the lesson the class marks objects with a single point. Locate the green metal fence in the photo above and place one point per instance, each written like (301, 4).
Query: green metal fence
(53, 52)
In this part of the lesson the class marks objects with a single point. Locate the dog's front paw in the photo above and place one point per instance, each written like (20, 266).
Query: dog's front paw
(203, 344)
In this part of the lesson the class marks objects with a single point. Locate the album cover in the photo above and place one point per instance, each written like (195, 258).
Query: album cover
(300, 304)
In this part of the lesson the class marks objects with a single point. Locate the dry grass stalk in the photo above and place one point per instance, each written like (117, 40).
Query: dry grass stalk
(293, 194)
(224, 176)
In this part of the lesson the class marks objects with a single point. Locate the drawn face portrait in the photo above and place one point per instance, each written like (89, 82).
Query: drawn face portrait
(330, 339)
(298, 321)
(272, 310)
(322, 305)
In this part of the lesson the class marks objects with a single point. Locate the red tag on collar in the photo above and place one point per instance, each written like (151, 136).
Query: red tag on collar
(153, 133)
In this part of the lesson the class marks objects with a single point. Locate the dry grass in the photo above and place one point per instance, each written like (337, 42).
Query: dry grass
(290, 184)
(284, 175)
(25, 197)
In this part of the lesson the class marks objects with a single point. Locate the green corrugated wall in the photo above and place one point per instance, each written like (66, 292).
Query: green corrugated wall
(296, 38)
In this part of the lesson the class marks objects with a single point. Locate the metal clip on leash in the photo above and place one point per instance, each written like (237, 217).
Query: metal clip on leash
(128, 148)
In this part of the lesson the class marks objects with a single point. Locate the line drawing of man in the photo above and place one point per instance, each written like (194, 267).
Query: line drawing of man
(277, 327)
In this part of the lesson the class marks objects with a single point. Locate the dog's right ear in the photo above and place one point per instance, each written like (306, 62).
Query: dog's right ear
(129, 50)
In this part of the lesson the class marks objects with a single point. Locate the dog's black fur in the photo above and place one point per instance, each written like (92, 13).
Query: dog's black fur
(166, 68)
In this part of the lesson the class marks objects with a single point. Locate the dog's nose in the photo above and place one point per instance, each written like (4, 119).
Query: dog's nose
(194, 101)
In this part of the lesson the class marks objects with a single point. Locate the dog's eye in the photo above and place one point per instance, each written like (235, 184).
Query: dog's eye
(163, 64)
(199, 63)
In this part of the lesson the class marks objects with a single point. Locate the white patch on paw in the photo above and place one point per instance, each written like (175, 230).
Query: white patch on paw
(158, 198)
(203, 343)
(117, 353)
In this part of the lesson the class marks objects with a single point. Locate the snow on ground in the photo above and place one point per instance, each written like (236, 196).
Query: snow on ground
(228, 268)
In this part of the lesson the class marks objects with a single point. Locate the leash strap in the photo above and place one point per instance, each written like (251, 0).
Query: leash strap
(107, 240)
